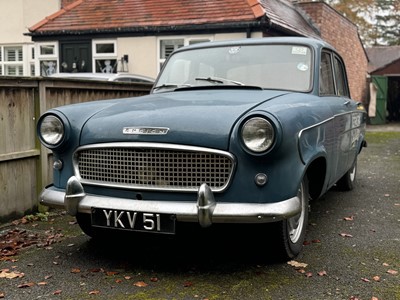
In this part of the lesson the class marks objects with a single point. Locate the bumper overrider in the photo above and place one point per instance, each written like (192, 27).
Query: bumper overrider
(205, 211)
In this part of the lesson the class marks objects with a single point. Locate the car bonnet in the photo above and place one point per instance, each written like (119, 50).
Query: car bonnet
(197, 118)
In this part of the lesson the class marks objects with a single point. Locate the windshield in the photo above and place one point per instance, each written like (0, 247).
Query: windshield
(286, 67)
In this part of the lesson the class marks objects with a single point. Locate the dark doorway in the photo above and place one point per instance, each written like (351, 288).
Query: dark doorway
(393, 100)
(76, 57)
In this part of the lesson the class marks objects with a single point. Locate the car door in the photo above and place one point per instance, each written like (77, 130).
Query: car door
(335, 92)
(354, 116)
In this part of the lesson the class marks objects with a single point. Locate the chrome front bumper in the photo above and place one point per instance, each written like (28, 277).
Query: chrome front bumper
(205, 211)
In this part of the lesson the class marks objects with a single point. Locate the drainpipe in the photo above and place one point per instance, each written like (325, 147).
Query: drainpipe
(248, 33)
(264, 25)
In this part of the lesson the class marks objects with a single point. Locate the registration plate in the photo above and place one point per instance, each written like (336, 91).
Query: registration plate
(133, 220)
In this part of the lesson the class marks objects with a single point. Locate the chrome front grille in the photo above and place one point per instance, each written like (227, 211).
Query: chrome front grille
(153, 166)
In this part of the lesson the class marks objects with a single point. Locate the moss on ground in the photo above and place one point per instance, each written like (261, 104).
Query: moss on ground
(377, 137)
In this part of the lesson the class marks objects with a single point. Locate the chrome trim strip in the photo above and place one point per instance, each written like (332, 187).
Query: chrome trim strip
(161, 146)
(185, 211)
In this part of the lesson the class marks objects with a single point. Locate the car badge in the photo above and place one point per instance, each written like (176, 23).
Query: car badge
(145, 130)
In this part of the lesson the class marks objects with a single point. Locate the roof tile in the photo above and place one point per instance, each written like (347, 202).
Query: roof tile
(108, 15)
(84, 14)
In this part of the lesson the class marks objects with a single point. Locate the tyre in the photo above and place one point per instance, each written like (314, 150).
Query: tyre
(84, 222)
(290, 233)
(346, 183)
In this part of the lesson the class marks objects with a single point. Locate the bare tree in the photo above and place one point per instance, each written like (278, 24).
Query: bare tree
(378, 21)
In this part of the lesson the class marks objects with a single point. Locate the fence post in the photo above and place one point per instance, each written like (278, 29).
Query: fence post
(42, 164)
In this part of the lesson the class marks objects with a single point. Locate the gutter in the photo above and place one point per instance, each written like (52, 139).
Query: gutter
(248, 26)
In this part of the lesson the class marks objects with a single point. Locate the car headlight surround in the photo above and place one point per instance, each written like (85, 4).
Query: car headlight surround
(258, 134)
(51, 130)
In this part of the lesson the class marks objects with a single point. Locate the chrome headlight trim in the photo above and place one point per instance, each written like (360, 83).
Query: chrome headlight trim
(51, 130)
(258, 135)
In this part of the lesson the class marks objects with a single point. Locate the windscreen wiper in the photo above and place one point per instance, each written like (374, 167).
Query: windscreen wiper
(219, 80)
(170, 86)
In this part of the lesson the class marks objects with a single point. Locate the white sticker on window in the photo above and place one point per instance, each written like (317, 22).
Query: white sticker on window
(299, 50)
(302, 67)
(234, 50)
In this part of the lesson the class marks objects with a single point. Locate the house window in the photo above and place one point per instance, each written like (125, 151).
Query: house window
(11, 61)
(105, 56)
(167, 46)
(47, 57)
(105, 48)
(198, 41)
(48, 67)
(47, 50)
(31, 59)
(13, 54)
(13, 70)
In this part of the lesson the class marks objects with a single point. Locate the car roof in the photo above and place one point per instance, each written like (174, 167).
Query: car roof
(312, 42)
(125, 77)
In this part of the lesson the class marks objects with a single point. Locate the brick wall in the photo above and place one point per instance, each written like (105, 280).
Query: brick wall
(343, 35)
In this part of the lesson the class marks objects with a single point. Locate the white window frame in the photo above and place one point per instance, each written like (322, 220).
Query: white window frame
(45, 57)
(104, 56)
(96, 42)
(187, 40)
(39, 48)
(18, 64)
(31, 60)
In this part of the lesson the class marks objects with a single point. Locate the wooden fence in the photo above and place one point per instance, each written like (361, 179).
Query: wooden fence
(25, 165)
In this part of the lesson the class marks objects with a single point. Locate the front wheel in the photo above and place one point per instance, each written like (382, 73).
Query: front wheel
(290, 233)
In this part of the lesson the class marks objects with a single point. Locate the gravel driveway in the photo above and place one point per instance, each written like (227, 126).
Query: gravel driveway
(352, 251)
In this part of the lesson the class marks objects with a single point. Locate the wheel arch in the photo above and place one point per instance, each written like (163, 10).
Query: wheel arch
(316, 174)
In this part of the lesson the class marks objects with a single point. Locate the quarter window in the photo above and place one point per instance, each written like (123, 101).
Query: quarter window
(340, 77)
(326, 83)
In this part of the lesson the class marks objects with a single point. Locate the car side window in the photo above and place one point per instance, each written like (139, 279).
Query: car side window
(340, 77)
(326, 83)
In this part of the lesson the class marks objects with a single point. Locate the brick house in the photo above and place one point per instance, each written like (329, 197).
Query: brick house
(137, 36)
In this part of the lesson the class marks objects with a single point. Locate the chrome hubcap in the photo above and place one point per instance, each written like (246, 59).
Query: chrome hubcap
(295, 224)
(353, 174)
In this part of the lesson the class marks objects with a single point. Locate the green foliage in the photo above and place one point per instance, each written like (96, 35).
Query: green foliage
(43, 217)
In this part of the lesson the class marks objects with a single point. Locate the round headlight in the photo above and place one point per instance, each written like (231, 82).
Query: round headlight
(258, 134)
(51, 130)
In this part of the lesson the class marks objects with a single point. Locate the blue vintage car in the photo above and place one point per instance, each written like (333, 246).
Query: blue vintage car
(244, 131)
